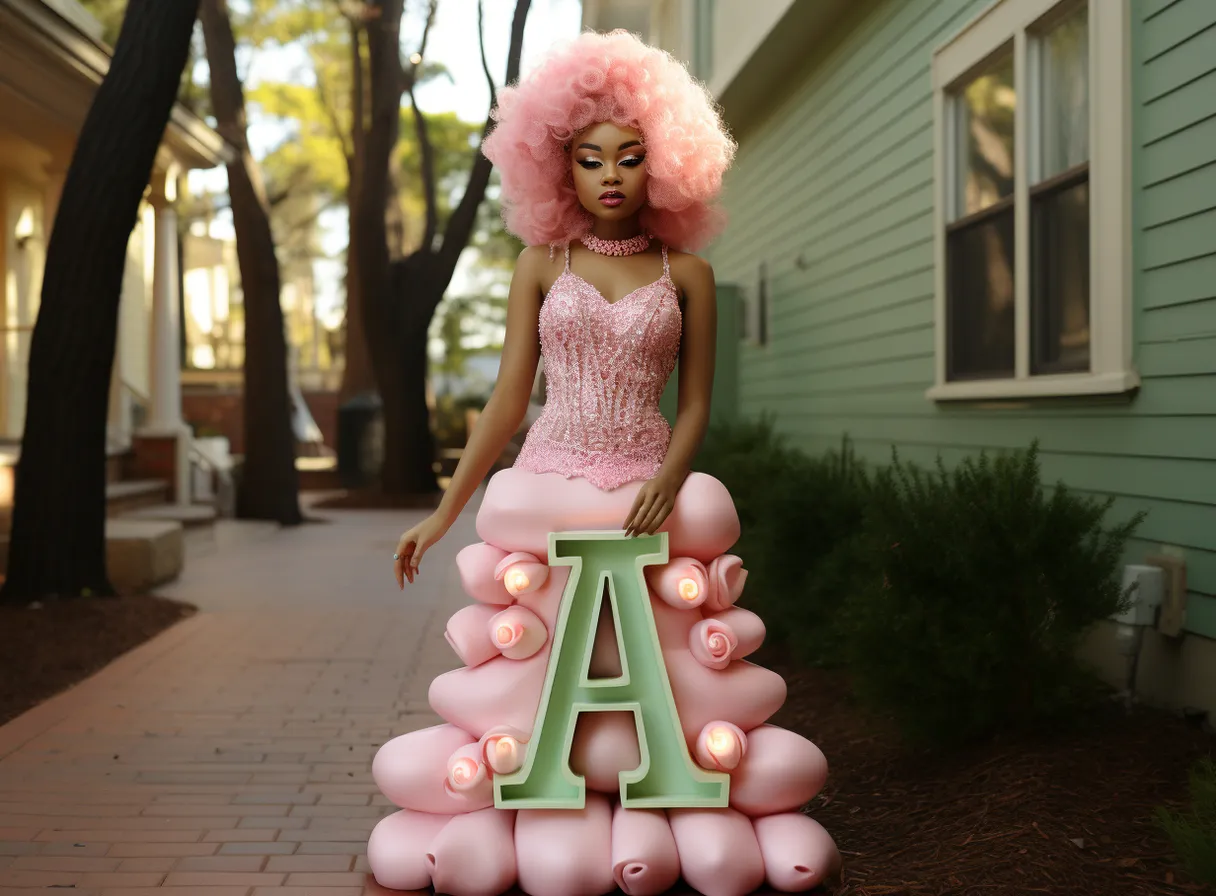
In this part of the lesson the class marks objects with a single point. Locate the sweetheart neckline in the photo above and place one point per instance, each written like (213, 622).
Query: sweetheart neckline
(666, 278)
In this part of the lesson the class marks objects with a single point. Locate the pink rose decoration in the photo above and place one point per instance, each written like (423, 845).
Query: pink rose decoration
(726, 578)
(466, 774)
(721, 746)
(503, 749)
(713, 642)
(517, 633)
(684, 583)
(521, 573)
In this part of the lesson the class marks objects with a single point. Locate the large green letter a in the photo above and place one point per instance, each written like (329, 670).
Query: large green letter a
(667, 776)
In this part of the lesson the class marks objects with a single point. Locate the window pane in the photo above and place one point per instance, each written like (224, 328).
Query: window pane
(1065, 100)
(979, 259)
(985, 135)
(1060, 266)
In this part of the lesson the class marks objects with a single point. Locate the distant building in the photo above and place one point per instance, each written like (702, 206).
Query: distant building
(51, 60)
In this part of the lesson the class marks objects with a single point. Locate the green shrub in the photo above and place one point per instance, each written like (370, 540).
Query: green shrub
(793, 511)
(1193, 832)
(971, 591)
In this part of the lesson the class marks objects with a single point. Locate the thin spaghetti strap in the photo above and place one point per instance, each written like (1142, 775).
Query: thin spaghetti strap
(567, 257)
(666, 266)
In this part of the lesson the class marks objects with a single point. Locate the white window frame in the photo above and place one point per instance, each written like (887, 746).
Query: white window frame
(1013, 22)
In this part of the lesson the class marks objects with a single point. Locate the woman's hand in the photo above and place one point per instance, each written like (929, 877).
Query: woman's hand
(413, 544)
(653, 503)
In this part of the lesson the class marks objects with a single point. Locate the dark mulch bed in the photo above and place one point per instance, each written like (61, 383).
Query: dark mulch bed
(1067, 814)
(50, 647)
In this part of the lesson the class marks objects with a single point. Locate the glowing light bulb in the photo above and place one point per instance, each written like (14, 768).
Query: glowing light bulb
(689, 589)
(503, 754)
(719, 741)
(504, 634)
(415, 58)
(517, 581)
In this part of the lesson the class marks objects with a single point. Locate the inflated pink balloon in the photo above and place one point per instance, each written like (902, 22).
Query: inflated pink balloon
(781, 771)
(682, 583)
(412, 770)
(747, 626)
(719, 855)
(644, 857)
(500, 692)
(517, 633)
(713, 643)
(520, 509)
(547, 600)
(726, 578)
(566, 852)
(476, 564)
(742, 694)
(468, 632)
(798, 853)
(605, 744)
(397, 849)
(474, 855)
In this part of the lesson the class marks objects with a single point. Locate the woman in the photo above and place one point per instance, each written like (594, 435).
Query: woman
(610, 156)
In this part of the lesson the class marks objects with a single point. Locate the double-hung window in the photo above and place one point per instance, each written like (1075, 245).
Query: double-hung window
(1032, 112)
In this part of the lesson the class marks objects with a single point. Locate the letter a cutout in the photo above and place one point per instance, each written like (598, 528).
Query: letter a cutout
(667, 776)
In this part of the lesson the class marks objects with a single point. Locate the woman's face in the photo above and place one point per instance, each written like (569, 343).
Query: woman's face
(608, 163)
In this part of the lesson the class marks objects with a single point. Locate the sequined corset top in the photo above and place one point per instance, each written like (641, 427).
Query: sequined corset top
(606, 364)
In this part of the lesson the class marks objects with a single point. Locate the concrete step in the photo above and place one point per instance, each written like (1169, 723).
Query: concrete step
(189, 515)
(119, 464)
(140, 554)
(123, 497)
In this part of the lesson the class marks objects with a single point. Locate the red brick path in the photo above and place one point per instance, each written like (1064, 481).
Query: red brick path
(231, 755)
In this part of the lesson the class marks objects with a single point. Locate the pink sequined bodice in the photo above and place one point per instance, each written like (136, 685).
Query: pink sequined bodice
(606, 365)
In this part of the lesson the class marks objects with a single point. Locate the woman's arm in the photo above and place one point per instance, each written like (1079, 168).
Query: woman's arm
(509, 401)
(698, 345)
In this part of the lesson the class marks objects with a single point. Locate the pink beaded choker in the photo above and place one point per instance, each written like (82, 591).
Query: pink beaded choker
(631, 246)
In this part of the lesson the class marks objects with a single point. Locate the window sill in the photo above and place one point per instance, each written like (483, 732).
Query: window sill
(1064, 385)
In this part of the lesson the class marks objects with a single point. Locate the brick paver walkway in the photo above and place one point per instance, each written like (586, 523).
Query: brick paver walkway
(231, 755)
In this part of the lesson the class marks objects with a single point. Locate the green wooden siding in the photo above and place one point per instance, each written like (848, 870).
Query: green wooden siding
(834, 191)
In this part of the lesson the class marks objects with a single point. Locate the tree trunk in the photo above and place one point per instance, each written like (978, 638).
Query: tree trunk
(409, 443)
(400, 306)
(357, 374)
(269, 487)
(57, 546)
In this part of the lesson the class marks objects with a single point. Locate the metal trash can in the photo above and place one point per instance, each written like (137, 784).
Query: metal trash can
(360, 440)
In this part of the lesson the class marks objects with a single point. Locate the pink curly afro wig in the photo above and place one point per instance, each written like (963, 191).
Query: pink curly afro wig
(609, 77)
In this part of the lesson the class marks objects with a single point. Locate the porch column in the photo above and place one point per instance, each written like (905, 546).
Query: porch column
(166, 405)
(164, 449)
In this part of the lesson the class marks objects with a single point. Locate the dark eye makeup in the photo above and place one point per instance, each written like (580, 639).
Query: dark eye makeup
(630, 162)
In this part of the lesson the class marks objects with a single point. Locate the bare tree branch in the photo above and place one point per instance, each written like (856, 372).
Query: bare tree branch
(427, 165)
(358, 101)
(481, 43)
(330, 110)
(409, 74)
(426, 149)
(464, 217)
